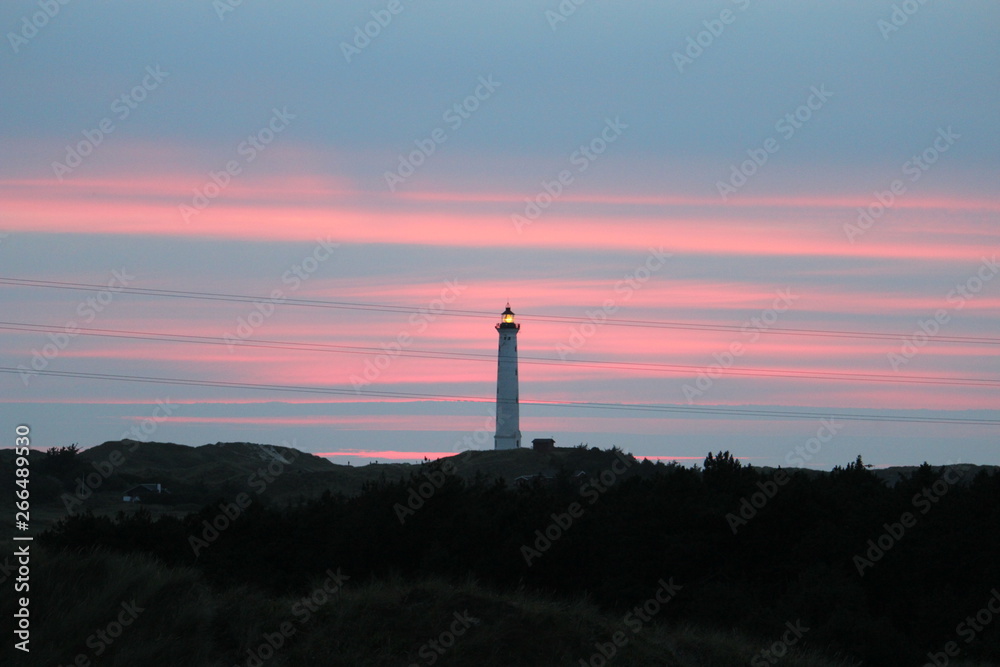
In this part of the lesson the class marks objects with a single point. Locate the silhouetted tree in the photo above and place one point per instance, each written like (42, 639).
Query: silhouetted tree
(725, 472)
(61, 462)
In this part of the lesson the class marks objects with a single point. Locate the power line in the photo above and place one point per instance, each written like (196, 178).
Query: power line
(714, 410)
(471, 356)
(389, 308)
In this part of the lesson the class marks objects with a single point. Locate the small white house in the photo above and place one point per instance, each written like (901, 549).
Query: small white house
(136, 493)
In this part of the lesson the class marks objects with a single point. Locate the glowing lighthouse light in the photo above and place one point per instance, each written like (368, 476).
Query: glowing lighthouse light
(508, 435)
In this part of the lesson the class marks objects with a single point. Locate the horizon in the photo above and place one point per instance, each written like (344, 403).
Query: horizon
(387, 457)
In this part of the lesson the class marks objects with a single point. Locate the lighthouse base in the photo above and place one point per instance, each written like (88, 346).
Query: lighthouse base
(507, 441)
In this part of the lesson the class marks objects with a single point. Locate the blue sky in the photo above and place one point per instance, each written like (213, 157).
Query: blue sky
(748, 157)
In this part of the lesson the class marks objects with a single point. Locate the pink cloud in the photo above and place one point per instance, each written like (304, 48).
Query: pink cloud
(390, 455)
(306, 208)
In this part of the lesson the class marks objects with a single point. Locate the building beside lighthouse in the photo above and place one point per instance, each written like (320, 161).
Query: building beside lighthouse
(508, 435)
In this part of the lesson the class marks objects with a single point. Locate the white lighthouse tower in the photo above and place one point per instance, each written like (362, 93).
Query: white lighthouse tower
(508, 435)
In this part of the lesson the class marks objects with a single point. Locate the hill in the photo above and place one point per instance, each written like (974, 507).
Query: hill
(94, 479)
(196, 476)
(209, 464)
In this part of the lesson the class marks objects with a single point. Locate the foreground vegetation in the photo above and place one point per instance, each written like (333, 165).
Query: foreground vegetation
(864, 571)
(179, 619)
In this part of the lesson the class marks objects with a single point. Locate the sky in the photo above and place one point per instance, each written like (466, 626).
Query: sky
(774, 225)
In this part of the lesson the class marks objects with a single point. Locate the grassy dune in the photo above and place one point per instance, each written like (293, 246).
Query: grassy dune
(173, 618)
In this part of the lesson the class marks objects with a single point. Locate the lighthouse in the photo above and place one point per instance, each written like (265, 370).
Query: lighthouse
(508, 435)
